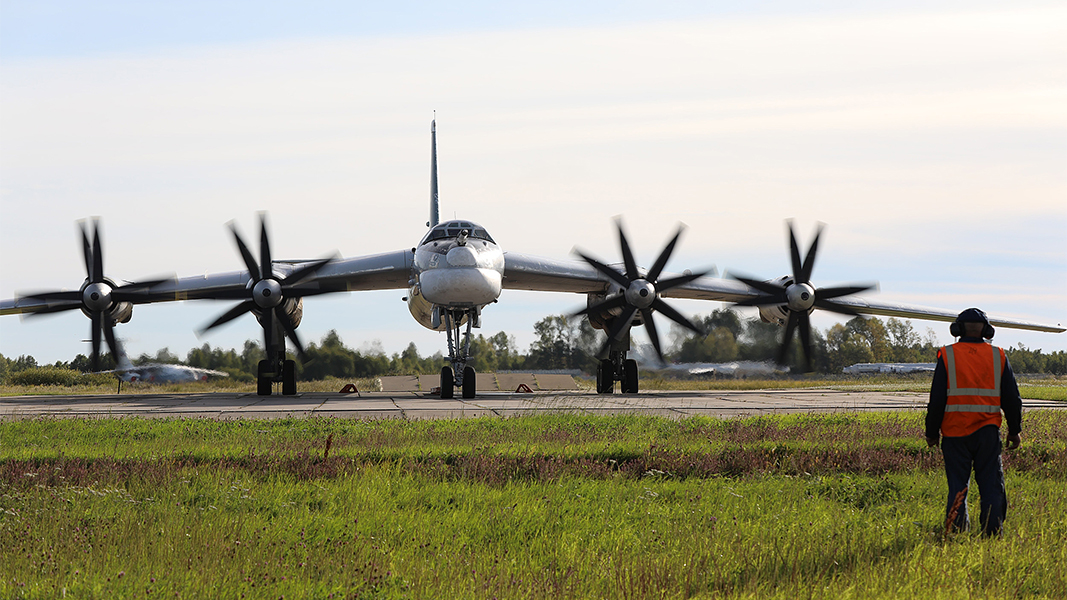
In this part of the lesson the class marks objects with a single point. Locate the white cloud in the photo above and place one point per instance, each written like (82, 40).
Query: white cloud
(902, 131)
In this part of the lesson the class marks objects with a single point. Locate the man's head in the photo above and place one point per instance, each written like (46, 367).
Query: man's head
(972, 323)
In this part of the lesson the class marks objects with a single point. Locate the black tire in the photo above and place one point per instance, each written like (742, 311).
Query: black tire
(470, 382)
(605, 377)
(629, 376)
(448, 382)
(289, 378)
(264, 379)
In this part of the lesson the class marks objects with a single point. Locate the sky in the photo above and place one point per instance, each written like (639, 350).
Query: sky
(929, 137)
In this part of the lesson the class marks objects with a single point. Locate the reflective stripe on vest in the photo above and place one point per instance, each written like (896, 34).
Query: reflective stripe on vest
(974, 407)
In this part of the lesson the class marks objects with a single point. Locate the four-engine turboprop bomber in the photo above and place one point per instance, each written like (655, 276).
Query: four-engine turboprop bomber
(450, 277)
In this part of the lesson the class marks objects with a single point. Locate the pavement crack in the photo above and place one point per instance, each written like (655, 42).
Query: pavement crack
(488, 408)
(403, 413)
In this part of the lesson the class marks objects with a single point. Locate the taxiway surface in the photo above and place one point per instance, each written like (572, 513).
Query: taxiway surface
(391, 405)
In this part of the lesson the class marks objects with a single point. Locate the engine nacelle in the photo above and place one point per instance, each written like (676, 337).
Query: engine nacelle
(779, 313)
(602, 319)
(120, 312)
(423, 311)
(294, 307)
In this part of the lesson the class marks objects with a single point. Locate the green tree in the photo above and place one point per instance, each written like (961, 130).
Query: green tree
(329, 358)
(1024, 360)
(506, 351)
(1056, 363)
(554, 344)
(564, 343)
(872, 330)
(845, 347)
(759, 341)
(719, 345)
(250, 356)
(408, 362)
(483, 357)
(23, 363)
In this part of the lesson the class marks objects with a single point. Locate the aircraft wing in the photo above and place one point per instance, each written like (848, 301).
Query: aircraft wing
(386, 271)
(390, 270)
(728, 290)
(888, 309)
(526, 272)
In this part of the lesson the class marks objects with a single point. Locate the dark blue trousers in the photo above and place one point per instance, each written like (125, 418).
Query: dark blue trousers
(980, 451)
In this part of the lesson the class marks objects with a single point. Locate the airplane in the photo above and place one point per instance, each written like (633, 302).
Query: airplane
(163, 373)
(451, 276)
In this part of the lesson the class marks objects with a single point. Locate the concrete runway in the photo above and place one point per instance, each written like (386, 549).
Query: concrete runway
(407, 405)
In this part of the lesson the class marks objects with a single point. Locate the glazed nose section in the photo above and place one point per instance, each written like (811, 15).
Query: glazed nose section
(462, 256)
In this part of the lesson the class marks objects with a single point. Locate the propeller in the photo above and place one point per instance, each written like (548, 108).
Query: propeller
(98, 296)
(798, 297)
(640, 292)
(266, 294)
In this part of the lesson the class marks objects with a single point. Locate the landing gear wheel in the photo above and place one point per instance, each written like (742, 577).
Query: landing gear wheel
(629, 376)
(469, 382)
(289, 378)
(448, 382)
(264, 378)
(605, 377)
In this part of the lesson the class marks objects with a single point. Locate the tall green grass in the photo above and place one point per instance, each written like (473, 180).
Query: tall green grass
(622, 507)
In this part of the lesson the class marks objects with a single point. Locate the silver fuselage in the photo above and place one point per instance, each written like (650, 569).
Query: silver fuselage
(457, 265)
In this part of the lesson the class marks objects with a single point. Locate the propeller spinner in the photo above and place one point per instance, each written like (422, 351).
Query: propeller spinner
(640, 292)
(798, 297)
(99, 298)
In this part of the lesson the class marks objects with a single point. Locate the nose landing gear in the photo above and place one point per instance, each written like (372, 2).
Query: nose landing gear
(459, 374)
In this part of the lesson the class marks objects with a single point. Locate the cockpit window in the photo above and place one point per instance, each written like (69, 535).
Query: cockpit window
(452, 229)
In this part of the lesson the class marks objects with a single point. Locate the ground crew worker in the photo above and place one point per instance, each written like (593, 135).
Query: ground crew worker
(973, 383)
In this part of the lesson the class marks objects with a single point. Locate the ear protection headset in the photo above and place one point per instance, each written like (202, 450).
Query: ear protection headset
(971, 315)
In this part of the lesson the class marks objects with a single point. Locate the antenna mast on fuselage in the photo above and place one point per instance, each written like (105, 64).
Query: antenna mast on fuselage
(434, 212)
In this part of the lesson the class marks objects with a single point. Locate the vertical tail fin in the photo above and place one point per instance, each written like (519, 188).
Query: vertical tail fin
(434, 212)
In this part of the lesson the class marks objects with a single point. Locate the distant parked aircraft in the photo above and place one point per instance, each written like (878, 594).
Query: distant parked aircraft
(161, 372)
(867, 368)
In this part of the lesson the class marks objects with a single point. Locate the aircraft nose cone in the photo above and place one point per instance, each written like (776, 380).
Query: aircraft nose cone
(462, 256)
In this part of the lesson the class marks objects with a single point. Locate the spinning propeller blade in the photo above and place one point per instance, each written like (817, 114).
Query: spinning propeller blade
(98, 297)
(266, 293)
(798, 297)
(639, 293)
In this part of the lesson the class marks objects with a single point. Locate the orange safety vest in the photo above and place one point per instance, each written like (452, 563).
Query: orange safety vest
(974, 372)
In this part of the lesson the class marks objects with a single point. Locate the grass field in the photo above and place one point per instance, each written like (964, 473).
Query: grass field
(536, 507)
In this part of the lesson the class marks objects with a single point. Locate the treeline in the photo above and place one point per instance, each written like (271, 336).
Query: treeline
(726, 337)
(563, 342)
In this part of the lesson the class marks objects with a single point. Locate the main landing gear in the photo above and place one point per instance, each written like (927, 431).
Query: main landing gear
(276, 368)
(458, 374)
(616, 367)
(279, 369)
